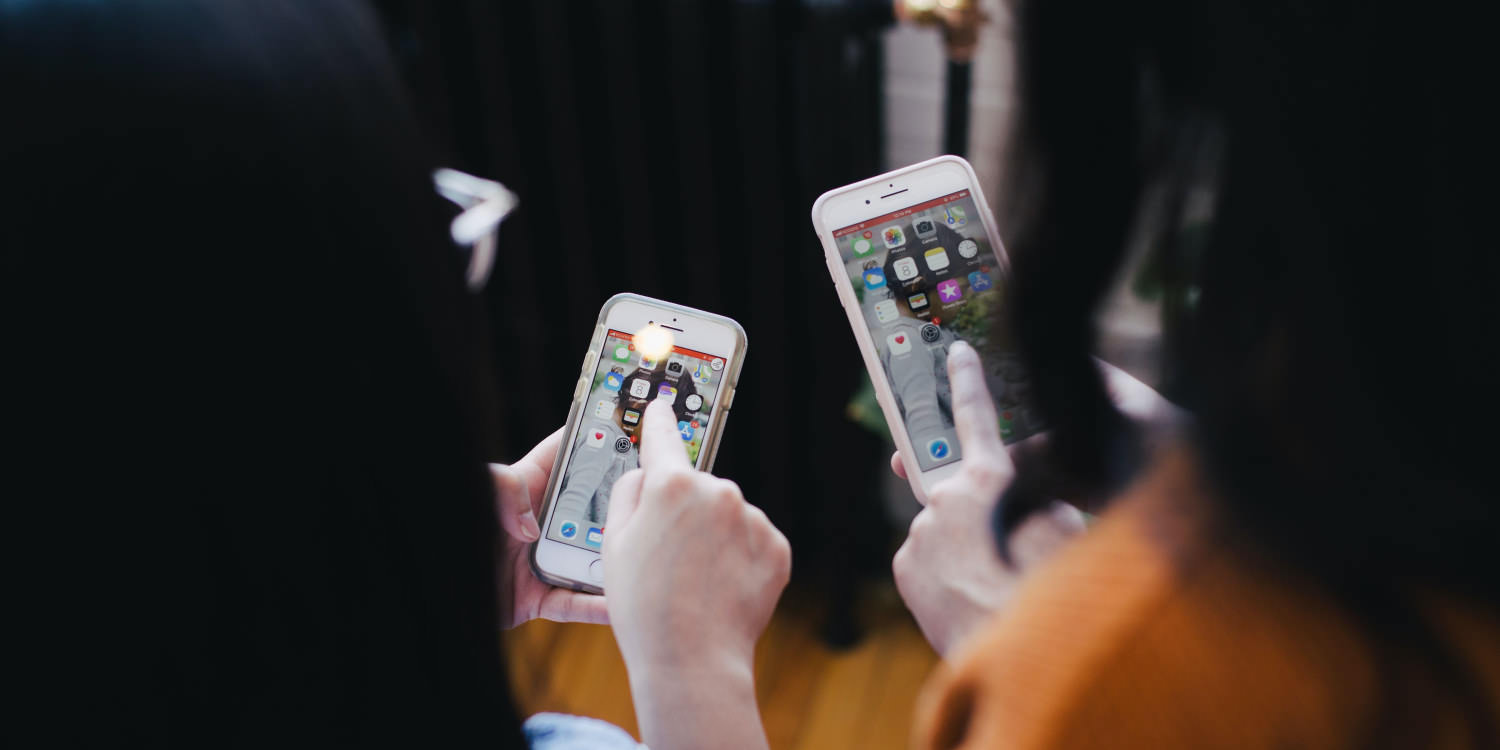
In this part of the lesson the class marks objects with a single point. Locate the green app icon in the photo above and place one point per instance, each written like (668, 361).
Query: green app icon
(862, 246)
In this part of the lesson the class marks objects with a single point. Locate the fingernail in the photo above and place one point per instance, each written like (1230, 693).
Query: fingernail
(961, 349)
(529, 526)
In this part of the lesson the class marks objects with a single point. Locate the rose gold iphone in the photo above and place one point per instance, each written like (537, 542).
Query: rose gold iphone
(917, 263)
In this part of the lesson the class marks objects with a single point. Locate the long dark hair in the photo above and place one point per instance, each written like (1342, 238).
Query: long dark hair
(252, 384)
(1312, 181)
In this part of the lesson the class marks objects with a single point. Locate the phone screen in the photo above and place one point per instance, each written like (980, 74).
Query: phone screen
(926, 276)
(605, 446)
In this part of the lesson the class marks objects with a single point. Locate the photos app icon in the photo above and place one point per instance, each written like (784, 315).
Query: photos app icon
(893, 236)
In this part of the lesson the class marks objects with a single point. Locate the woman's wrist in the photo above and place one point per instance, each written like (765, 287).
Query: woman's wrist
(706, 703)
(719, 653)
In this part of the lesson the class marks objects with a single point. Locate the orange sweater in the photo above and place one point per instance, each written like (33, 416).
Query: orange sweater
(1144, 635)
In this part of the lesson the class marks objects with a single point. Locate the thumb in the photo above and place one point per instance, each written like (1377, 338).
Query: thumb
(623, 500)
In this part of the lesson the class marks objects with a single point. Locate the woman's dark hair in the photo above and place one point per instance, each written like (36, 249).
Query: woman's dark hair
(1310, 179)
(251, 382)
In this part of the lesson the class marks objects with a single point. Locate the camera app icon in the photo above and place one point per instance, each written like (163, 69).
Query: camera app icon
(925, 228)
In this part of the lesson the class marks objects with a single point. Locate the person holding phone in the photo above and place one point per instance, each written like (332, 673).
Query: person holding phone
(251, 387)
(1307, 559)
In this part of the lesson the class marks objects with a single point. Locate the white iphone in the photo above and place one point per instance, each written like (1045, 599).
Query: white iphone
(642, 350)
(917, 263)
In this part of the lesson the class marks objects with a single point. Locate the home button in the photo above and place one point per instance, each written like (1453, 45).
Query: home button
(596, 571)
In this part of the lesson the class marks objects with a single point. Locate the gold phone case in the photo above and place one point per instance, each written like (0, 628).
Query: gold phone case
(718, 417)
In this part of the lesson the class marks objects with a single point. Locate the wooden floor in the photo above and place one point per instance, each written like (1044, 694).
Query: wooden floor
(810, 696)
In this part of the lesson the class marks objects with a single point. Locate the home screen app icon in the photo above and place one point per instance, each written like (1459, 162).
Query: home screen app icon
(905, 268)
(937, 258)
(639, 388)
(893, 236)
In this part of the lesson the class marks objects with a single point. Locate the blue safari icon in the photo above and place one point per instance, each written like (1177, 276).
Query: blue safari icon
(568, 530)
(938, 449)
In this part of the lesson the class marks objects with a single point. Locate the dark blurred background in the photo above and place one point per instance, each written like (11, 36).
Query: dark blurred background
(674, 149)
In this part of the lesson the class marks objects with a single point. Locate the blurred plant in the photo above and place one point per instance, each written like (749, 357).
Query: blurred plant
(975, 319)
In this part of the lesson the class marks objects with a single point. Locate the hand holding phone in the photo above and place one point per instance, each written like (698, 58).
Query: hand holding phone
(518, 501)
(947, 571)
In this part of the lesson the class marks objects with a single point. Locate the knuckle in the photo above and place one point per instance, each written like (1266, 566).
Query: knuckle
(757, 519)
(781, 555)
(727, 492)
(983, 471)
(939, 496)
(766, 541)
(921, 526)
(782, 547)
(901, 565)
(769, 534)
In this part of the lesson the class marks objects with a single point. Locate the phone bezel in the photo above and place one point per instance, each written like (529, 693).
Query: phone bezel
(563, 564)
(894, 191)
